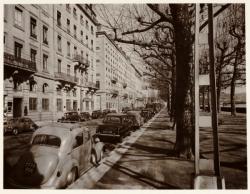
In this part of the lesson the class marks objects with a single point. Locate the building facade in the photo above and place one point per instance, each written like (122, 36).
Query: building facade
(118, 78)
(49, 60)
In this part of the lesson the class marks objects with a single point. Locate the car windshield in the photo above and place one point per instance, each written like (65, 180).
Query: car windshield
(47, 140)
(111, 119)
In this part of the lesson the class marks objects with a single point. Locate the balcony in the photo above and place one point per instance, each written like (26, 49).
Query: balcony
(63, 77)
(114, 80)
(114, 93)
(19, 63)
(125, 96)
(124, 85)
(83, 63)
(91, 86)
(139, 99)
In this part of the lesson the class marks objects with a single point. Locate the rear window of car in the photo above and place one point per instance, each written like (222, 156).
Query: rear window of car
(47, 140)
(110, 119)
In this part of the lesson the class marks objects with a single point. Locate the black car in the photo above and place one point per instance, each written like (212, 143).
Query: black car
(71, 117)
(85, 116)
(106, 111)
(114, 126)
(97, 114)
(18, 125)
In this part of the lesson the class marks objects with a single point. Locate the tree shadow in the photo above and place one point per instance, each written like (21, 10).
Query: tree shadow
(141, 177)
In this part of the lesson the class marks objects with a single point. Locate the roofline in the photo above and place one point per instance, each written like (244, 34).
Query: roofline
(112, 41)
(83, 10)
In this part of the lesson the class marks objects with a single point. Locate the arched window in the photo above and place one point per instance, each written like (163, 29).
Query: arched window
(45, 87)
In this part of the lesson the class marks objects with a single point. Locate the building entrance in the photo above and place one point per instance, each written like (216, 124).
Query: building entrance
(17, 107)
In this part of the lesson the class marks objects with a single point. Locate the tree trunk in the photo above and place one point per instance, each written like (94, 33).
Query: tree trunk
(183, 106)
(203, 98)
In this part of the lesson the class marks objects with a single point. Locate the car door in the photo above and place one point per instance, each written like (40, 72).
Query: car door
(20, 124)
(77, 151)
(87, 148)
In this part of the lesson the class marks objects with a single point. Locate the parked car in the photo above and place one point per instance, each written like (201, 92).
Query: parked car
(59, 153)
(18, 125)
(137, 120)
(126, 109)
(85, 116)
(71, 116)
(113, 111)
(105, 112)
(115, 126)
(146, 114)
(97, 114)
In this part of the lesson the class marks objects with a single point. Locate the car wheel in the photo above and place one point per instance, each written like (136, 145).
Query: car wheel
(71, 177)
(15, 131)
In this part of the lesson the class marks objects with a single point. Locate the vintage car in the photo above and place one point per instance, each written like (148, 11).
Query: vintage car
(137, 120)
(114, 127)
(105, 112)
(126, 109)
(59, 153)
(18, 125)
(71, 116)
(85, 116)
(97, 114)
(146, 114)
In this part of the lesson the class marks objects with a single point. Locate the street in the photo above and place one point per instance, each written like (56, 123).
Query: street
(145, 159)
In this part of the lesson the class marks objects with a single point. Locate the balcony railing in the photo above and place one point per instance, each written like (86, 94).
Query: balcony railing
(21, 63)
(81, 60)
(91, 85)
(124, 85)
(125, 95)
(114, 80)
(66, 78)
(114, 92)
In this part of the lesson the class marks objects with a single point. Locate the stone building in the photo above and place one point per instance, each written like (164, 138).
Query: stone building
(49, 60)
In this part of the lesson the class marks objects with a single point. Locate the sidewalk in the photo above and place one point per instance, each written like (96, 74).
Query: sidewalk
(144, 161)
(143, 164)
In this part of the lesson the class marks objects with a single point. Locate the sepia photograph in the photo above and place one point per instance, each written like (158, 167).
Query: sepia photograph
(117, 96)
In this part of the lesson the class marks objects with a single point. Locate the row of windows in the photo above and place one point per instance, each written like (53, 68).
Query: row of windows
(18, 21)
(33, 104)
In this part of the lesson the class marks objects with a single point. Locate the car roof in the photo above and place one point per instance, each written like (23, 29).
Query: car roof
(62, 130)
(116, 114)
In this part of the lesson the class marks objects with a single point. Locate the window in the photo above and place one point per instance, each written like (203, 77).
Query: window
(75, 50)
(92, 30)
(45, 87)
(45, 104)
(68, 69)
(81, 19)
(74, 102)
(59, 43)
(18, 17)
(33, 28)
(68, 105)
(82, 54)
(97, 48)
(18, 50)
(68, 7)
(33, 55)
(68, 25)
(87, 105)
(59, 18)
(68, 49)
(92, 44)
(78, 141)
(87, 25)
(74, 12)
(33, 86)
(45, 62)
(81, 36)
(59, 104)
(75, 31)
(33, 104)
(59, 64)
(45, 34)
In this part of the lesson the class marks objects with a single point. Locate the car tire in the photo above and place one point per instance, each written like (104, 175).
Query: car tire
(71, 177)
(15, 131)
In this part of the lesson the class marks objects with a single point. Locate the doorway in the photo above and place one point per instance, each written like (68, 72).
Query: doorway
(17, 107)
